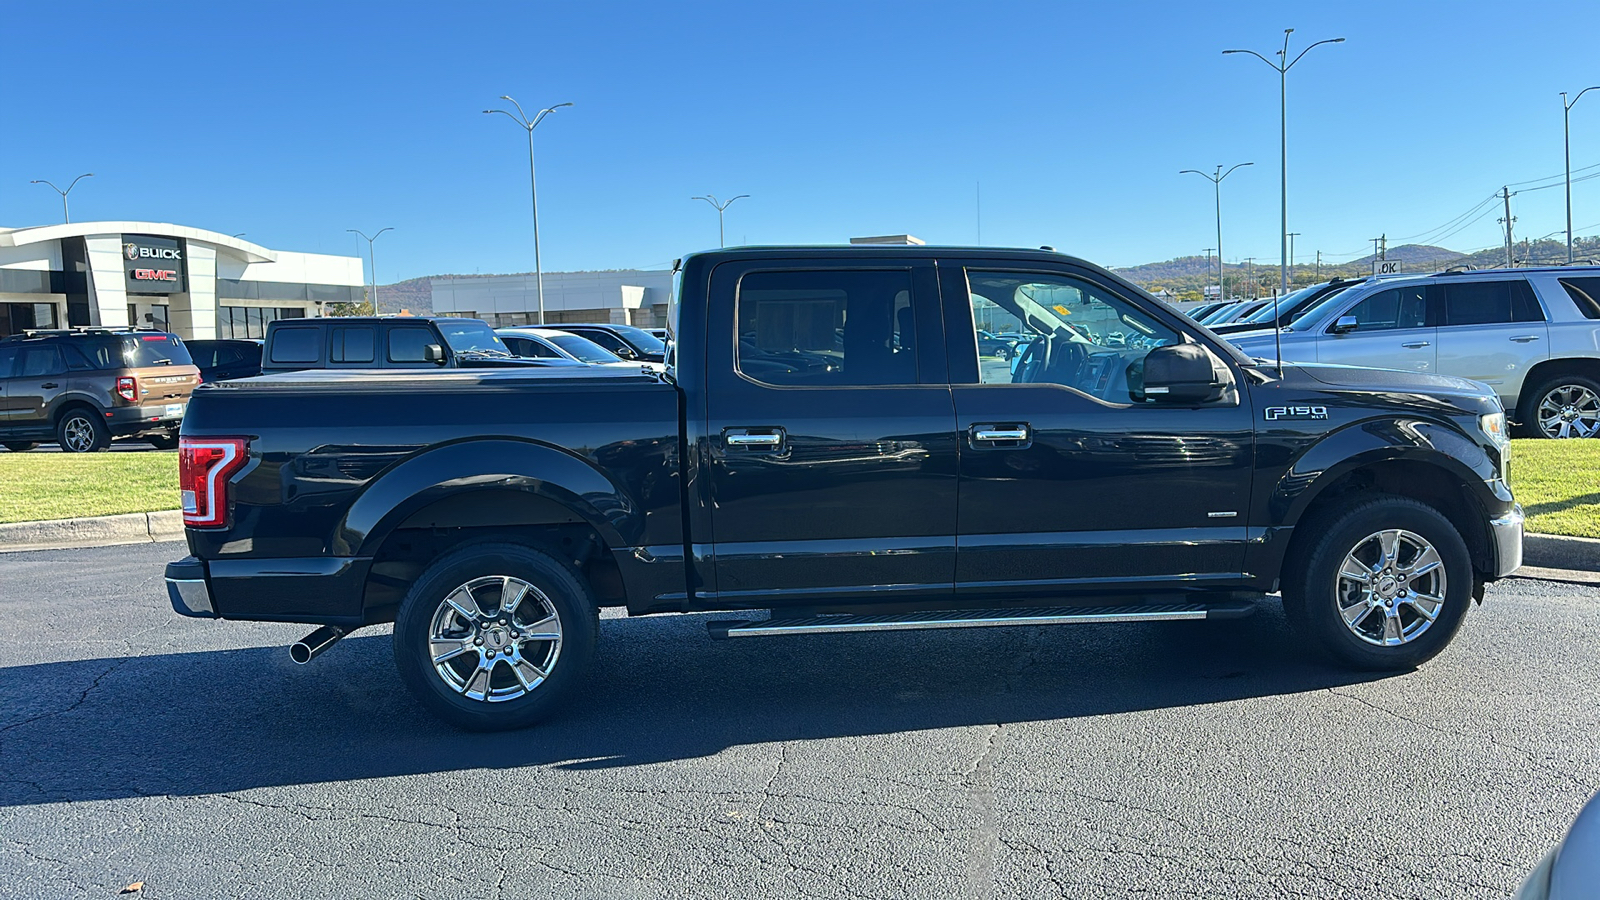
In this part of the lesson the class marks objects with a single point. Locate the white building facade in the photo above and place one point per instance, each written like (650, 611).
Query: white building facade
(623, 297)
(190, 281)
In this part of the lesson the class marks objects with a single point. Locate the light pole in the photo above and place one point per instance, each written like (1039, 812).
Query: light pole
(1216, 184)
(1566, 143)
(521, 118)
(1283, 134)
(1209, 251)
(67, 218)
(712, 199)
(373, 256)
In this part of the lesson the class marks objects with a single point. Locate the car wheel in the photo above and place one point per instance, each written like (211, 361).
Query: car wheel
(1378, 585)
(1567, 406)
(20, 446)
(81, 431)
(163, 441)
(495, 636)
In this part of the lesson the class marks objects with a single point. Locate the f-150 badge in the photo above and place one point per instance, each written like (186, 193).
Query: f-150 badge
(1274, 413)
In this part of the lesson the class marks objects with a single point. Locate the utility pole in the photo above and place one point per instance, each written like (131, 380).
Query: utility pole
(1292, 236)
(1208, 271)
(1505, 194)
(1251, 277)
(1319, 266)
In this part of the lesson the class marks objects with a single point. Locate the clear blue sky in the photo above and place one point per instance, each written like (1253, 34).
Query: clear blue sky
(292, 123)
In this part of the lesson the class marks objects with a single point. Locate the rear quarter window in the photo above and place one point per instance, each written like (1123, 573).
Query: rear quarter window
(1585, 293)
(297, 345)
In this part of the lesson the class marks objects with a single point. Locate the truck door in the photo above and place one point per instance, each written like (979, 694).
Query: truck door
(830, 458)
(1394, 329)
(1071, 481)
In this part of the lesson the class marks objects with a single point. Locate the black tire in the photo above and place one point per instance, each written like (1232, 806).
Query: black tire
(81, 430)
(20, 446)
(163, 441)
(567, 660)
(1566, 385)
(1312, 584)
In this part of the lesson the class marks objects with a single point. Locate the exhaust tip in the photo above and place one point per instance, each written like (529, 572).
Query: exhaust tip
(312, 645)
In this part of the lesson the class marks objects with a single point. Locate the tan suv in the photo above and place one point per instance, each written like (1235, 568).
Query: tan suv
(81, 388)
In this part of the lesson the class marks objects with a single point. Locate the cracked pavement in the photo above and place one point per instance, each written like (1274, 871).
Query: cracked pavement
(1160, 760)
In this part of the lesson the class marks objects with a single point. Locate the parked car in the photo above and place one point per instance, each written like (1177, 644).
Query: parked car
(1237, 312)
(1288, 307)
(221, 360)
(628, 342)
(1221, 311)
(1205, 309)
(990, 344)
(84, 387)
(552, 344)
(385, 342)
(1533, 335)
(660, 333)
(849, 469)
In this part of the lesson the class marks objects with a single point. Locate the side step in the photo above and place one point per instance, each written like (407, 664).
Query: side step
(977, 618)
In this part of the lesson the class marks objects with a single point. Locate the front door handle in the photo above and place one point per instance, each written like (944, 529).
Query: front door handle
(1525, 338)
(743, 438)
(1001, 434)
(49, 384)
(1414, 345)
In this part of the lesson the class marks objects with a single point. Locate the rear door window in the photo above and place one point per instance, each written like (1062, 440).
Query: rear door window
(353, 345)
(297, 345)
(1490, 303)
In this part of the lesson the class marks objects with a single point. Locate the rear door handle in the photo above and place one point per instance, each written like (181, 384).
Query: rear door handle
(744, 438)
(1525, 338)
(49, 384)
(1414, 345)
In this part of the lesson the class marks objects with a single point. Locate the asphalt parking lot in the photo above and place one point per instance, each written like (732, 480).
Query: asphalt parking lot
(1164, 760)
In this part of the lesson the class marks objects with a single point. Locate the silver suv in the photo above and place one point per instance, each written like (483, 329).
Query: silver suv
(1531, 334)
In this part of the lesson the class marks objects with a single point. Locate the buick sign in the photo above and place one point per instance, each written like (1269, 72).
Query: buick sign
(156, 264)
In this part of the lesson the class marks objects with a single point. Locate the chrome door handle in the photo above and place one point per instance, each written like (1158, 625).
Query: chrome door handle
(1414, 345)
(1018, 433)
(1525, 338)
(742, 438)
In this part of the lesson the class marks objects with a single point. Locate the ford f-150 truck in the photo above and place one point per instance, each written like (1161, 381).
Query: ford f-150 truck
(827, 451)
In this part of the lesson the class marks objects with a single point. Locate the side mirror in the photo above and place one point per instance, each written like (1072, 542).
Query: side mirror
(626, 353)
(1182, 373)
(1345, 325)
(433, 353)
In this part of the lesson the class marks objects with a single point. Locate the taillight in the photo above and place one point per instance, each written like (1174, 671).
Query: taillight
(128, 388)
(204, 466)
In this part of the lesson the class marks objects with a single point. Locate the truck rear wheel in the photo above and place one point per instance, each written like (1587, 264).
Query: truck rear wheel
(1379, 585)
(495, 636)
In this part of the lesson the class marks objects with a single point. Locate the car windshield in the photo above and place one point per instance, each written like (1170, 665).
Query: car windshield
(642, 339)
(1265, 313)
(583, 348)
(1309, 317)
(473, 337)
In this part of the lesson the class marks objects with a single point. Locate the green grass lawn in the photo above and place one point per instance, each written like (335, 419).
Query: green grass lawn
(35, 486)
(1557, 482)
(1558, 485)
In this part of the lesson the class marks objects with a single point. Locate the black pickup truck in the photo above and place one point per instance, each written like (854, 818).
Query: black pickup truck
(827, 451)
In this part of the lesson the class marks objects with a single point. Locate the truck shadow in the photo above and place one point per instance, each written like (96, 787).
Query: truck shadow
(209, 722)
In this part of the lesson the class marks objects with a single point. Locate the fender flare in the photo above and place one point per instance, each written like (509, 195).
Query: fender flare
(481, 464)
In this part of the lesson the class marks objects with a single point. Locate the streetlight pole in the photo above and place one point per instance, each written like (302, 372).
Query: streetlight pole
(1283, 135)
(1209, 251)
(521, 118)
(712, 199)
(66, 217)
(1216, 184)
(374, 257)
(1566, 143)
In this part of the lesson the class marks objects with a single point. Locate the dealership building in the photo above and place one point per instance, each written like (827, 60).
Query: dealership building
(618, 297)
(193, 282)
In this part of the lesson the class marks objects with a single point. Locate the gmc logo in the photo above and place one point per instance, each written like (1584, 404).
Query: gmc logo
(155, 275)
(1273, 413)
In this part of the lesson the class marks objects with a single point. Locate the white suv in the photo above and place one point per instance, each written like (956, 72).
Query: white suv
(1531, 334)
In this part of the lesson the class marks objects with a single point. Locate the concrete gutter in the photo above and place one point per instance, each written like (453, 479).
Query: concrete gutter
(95, 531)
(1548, 551)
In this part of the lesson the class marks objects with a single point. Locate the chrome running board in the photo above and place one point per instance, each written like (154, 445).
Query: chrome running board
(976, 618)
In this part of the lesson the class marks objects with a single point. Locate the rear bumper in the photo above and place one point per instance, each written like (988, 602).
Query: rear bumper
(1506, 533)
(127, 420)
(187, 589)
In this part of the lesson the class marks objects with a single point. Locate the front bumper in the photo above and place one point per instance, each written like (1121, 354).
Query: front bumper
(1506, 542)
(187, 589)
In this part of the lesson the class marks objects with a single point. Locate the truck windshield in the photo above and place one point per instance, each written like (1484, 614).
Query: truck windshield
(472, 337)
(583, 348)
(642, 339)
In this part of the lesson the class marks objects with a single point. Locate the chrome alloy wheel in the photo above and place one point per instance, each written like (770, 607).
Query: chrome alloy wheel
(1391, 587)
(79, 434)
(1569, 411)
(494, 638)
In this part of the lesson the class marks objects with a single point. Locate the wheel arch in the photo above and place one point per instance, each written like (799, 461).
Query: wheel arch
(1545, 370)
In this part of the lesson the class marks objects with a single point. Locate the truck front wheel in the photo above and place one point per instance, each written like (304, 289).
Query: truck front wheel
(1378, 585)
(495, 636)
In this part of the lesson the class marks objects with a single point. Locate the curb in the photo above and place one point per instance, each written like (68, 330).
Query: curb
(1548, 551)
(95, 531)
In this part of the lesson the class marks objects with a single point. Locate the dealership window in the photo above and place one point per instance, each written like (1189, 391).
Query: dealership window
(18, 317)
(250, 321)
